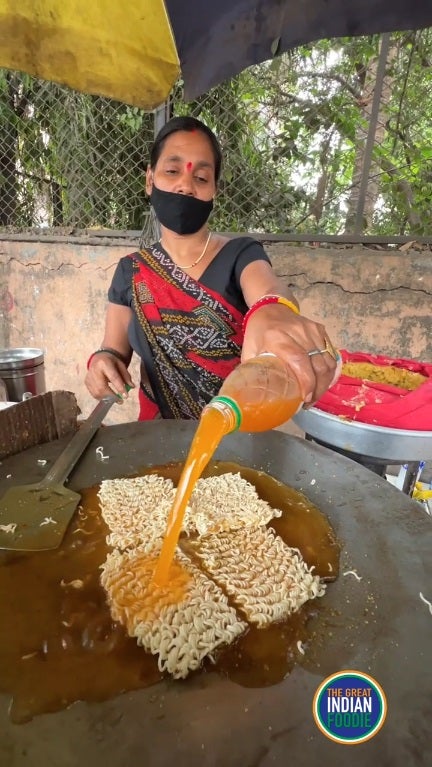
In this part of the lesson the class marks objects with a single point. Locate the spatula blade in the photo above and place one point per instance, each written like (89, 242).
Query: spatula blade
(34, 517)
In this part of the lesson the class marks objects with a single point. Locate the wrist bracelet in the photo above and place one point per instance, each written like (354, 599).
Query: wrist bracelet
(264, 301)
(108, 350)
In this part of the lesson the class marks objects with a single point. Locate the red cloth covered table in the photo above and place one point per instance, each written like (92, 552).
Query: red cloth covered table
(381, 404)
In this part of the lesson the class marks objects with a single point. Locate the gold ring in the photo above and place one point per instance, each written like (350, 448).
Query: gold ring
(330, 349)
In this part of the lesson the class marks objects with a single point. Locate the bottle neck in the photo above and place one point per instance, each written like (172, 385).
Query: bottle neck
(230, 411)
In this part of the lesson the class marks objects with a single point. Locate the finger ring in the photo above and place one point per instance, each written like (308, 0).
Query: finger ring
(330, 349)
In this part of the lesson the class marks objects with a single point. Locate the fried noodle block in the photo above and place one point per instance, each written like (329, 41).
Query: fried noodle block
(136, 510)
(227, 502)
(181, 623)
(265, 579)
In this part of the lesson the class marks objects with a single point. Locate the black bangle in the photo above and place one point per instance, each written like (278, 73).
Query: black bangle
(108, 350)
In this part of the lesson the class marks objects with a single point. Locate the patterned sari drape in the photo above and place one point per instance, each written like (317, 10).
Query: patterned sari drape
(190, 336)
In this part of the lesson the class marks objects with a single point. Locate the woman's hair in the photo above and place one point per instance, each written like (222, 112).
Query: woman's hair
(190, 124)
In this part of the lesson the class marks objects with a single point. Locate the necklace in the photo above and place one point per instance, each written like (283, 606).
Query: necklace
(199, 257)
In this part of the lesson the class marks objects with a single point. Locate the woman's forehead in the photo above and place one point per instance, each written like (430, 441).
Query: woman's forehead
(188, 146)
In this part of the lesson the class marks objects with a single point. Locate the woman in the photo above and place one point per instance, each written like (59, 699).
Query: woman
(195, 303)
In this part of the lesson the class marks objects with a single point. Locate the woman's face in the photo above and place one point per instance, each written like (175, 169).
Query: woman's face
(186, 166)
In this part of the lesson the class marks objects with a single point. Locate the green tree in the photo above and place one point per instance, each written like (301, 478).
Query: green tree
(293, 133)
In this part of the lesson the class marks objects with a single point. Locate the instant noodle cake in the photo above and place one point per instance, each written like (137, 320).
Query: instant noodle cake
(181, 623)
(234, 570)
(266, 579)
(136, 510)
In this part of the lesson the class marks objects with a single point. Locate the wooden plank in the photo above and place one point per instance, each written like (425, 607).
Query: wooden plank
(43, 418)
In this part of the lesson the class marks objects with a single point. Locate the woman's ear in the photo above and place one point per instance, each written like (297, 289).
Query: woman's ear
(149, 180)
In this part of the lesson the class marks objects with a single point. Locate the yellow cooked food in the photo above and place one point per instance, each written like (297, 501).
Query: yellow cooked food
(388, 374)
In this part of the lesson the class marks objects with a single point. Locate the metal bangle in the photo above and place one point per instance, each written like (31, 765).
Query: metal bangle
(108, 350)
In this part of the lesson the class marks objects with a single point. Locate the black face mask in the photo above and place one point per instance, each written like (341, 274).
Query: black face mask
(181, 213)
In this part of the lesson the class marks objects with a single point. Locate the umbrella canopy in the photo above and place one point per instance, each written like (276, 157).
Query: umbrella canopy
(134, 52)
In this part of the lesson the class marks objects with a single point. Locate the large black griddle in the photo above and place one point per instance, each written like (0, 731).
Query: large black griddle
(378, 625)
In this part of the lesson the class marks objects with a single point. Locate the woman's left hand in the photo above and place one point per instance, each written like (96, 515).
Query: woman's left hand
(296, 340)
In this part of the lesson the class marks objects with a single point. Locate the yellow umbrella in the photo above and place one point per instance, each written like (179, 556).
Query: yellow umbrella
(123, 50)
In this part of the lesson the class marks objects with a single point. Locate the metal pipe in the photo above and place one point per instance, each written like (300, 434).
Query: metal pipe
(162, 114)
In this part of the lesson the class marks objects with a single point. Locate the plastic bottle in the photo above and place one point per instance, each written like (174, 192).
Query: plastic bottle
(258, 395)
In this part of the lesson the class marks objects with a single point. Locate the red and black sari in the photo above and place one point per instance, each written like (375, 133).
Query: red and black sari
(187, 332)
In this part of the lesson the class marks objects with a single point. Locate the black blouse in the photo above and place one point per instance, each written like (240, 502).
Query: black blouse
(222, 274)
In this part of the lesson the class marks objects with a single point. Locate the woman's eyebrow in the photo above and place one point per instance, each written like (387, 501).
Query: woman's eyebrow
(173, 158)
(204, 164)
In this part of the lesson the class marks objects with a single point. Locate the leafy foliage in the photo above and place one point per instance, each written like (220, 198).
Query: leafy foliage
(77, 159)
(293, 131)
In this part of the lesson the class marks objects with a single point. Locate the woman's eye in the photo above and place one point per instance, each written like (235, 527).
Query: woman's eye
(201, 179)
(171, 171)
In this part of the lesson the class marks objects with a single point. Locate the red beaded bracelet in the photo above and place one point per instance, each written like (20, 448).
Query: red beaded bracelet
(107, 350)
(269, 300)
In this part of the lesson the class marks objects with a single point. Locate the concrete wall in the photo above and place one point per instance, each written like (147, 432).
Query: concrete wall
(53, 296)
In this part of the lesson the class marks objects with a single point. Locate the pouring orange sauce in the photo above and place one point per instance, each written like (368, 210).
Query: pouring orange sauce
(249, 400)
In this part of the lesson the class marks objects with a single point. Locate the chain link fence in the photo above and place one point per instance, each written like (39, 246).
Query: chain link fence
(331, 138)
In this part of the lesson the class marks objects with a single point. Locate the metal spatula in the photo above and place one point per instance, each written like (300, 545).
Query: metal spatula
(36, 517)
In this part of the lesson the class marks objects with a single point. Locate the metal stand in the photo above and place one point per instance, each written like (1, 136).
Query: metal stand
(377, 465)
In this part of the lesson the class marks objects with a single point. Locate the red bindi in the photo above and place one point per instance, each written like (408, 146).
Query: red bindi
(189, 166)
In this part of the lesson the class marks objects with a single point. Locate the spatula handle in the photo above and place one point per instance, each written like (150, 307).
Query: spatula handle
(64, 464)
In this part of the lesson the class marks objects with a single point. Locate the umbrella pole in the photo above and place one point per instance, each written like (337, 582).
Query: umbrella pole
(162, 114)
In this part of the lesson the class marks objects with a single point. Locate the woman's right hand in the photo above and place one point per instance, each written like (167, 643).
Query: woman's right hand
(107, 375)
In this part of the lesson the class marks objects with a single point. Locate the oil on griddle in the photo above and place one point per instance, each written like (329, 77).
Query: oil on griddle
(62, 645)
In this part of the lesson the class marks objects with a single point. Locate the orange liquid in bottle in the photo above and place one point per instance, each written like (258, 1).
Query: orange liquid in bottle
(258, 395)
(266, 391)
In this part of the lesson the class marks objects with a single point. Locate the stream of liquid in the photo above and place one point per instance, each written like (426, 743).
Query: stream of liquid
(257, 415)
(211, 428)
(59, 644)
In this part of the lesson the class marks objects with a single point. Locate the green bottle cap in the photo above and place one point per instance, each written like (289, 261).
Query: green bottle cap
(232, 404)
